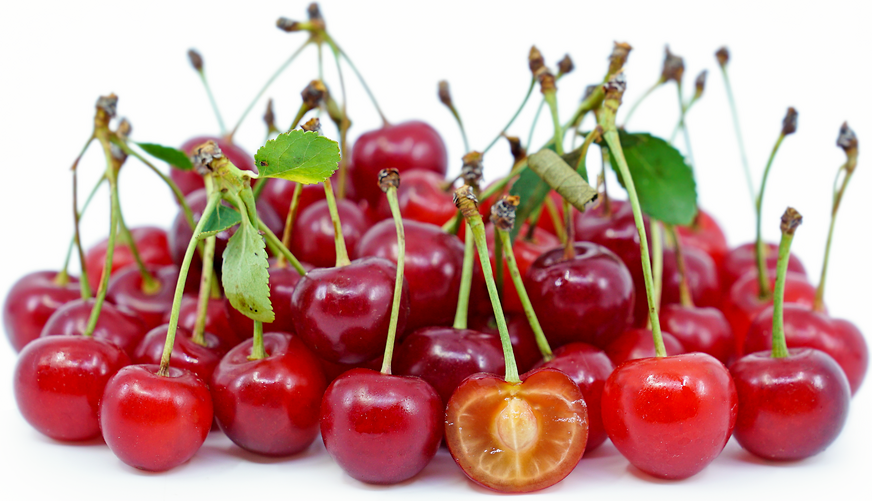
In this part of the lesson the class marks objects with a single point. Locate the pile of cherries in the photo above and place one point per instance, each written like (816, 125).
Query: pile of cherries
(391, 334)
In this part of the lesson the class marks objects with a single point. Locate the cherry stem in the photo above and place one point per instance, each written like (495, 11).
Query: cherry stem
(656, 262)
(450, 105)
(498, 265)
(683, 287)
(588, 104)
(341, 251)
(515, 273)
(301, 112)
(266, 86)
(685, 108)
(461, 314)
(789, 222)
(607, 203)
(335, 47)
(150, 285)
(84, 285)
(762, 273)
(344, 125)
(837, 201)
(683, 111)
(559, 227)
(398, 285)
(512, 120)
(533, 125)
(738, 129)
(258, 352)
(276, 245)
(647, 93)
(212, 101)
(73, 239)
(199, 334)
(289, 221)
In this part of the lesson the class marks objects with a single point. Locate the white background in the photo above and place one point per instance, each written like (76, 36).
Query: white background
(56, 58)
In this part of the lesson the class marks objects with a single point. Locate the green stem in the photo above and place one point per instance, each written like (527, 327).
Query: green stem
(683, 287)
(512, 120)
(639, 101)
(684, 126)
(212, 101)
(205, 292)
(551, 99)
(150, 285)
(301, 112)
(498, 266)
(84, 285)
(341, 251)
(535, 121)
(289, 221)
(657, 262)
(762, 273)
(837, 200)
(734, 111)
(73, 239)
(685, 108)
(273, 241)
(345, 124)
(398, 285)
(335, 46)
(257, 349)
(559, 227)
(461, 314)
(779, 343)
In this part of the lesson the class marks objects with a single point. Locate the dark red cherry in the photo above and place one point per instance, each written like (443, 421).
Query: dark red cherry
(792, 407)
(381, 428)
(404, 146)
(743, 259)
(198, 359)
(152, 244)
(422, 197)
(190, 181)
(216, 320)
(706, 235)
(31, 301)
(281, 287)
(115, 325)
(444, 356)
(702, 278)
(279, 192)
(639, 343)
(700, 329)
(804, 328)
(433, 264)
(59, 381)
(269, 406)
(343, 313)
(524, 346)
(153, 422)
(312, 239)
(588, 298)
(589, 367)
(125, 290)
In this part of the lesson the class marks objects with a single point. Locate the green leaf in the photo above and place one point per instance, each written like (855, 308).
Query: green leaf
(532, 192)
(172, 156)
(304, 157)
(245, 274)
(222, 218)
(562, 178)
(664, 182)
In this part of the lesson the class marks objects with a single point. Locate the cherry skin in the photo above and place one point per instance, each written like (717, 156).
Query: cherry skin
(519, 437)
(279, 192)
(444, 356)
(702, 278)
(153, 422)
(216, 320)
(190, 181)
(152, 244)
(312, 238)
(31, 301)
(343, 313)
(589, 298)
(125, 290)
(115, 325)
(58, 383)
(282, 281)
(700, 329)
(589, 367)
(670, 416)
(804, 328)
(433, 265)
(404, 146)
(195, 358)
(706, 235)
(789, 408)
(743, 259)
(380, 428)
(422, 198)
(639, 343)
(524, 346)
(269, 406)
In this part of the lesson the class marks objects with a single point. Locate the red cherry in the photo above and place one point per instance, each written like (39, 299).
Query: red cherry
(517, 437)
(269, 406)
(125, 290)
(789, 408)
(190, 181)
(804, 328)
(706, 235)
(589, 367)
(700, 329)
(343, 313)
(279, 192)
(524, 344)
(702, 278)
(312, 238)
(433, 264)
(59, 381)
(216, 320)
(153, 422)
(588, 298)
(404, 146)
(381, 429)
(281, 287)
(31, 301)
(151, 242)
(743, 259)
(422, 198)
(197, 359)
(670, 416)
(639, 343)
(115, 325)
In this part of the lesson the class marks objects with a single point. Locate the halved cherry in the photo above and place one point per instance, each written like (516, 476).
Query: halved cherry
(517, 437)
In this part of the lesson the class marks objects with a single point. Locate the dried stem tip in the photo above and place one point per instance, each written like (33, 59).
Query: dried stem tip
(108, 105)
(445, 94)
(465, 200)
(618, 58)
(565, 65)
(788, 125)
(673, 67)
(615, 87)
(503, 212)
(547, 82)
(287, 25)
(537, 62)
(388, 178)
(699, 83)
(723, 56)
(315, 13)
(790, 221)
(518, 151)
(313, 94)
(847, 139)
(203, 156)
(472, 169)
(313, 125)
(196, 59)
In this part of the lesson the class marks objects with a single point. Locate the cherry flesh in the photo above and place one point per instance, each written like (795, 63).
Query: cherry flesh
(31, 301)
(639, 343)
(198, 359)
(152, 244)
(743, 260)
(216, 320)
(115, 325)
(312, 238)
(670, 416)
(586, 299)
(700, 329)
(59, 381)
(702, 278)
(517, 437)
(190, 181)
(343, 313)
(125, 290)
(282, 281)
(381, 428)
(804, 328)
(792, 407)
(706, 235)
(269, 406)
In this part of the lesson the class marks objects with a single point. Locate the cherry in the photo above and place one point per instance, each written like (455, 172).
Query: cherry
(791, 407)
(282, 282)
(444, 356)
(380, 428)
(524, 345)
(700, 329)
(312, 239)
(197, 359)
(279, 192)
(639, 343)
(125, 290)
(404, 146)
(702, 278)
(588, 298)
(805, 328)
(517, 437)
(422, 198)
(589, 367)
(152, 244)
(434, 260)
(343, 313)
(154, 422)
(743, 259)
(115, 325)
(31, 301)
(670, 416)
(216, 320)
(190, 181)
(269, 406)
(59, 381)
(706, 235)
